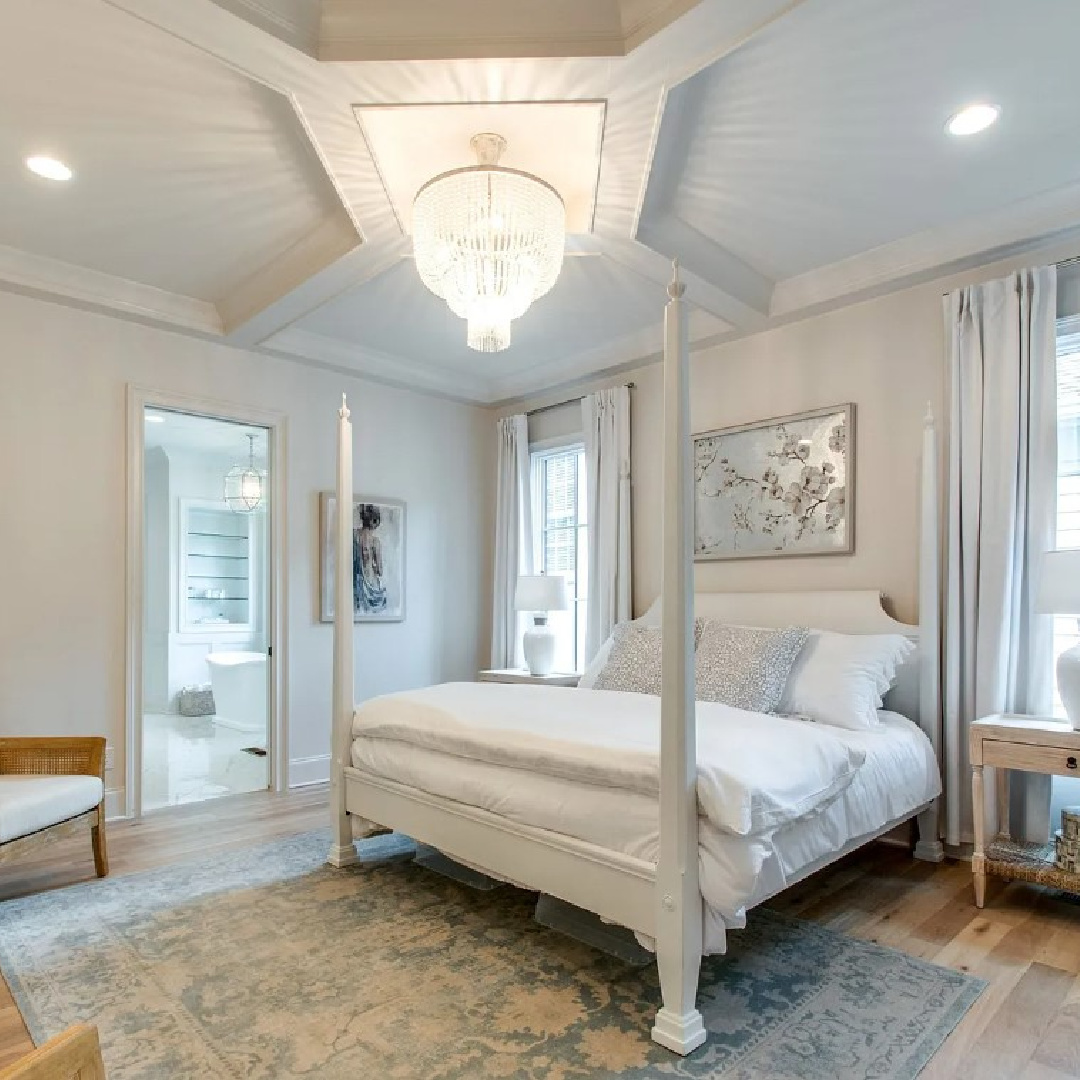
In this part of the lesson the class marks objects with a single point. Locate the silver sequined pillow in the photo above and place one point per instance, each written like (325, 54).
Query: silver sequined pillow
(746, 667)
(634, 662)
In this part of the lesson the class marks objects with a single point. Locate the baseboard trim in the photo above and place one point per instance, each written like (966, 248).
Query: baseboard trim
(309, 770)
(115, 804)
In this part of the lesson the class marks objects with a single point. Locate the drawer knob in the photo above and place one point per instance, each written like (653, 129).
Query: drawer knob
(1070, 763)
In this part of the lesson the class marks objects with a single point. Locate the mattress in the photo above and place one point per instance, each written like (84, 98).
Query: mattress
(898, 775)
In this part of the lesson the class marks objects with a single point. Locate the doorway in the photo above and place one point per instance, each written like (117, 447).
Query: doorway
(203, 711)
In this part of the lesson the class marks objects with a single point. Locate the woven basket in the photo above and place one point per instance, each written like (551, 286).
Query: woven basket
(196, 701)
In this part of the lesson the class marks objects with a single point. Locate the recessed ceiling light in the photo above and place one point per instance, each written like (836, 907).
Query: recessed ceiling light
(153, 418)
(972, 119)
(49, 168)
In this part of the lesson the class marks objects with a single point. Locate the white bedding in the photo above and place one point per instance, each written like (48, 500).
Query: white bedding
(611, 739)
(759, 828)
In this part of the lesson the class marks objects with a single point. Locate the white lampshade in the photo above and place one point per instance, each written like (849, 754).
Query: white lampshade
(1059, 583)
(541, 592)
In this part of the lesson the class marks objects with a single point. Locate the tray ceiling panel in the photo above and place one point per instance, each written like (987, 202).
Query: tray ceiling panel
(559, 141)
(189, 177)
(823, 137)
(790, 153)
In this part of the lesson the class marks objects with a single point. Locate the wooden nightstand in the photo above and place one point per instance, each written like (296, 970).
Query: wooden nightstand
(1035, 744)
(521, 675)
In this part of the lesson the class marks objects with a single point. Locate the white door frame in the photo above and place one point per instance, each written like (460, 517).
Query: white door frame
(138, 398)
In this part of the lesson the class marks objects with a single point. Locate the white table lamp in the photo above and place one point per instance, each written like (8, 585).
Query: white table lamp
(539, 594)
(1059, 594)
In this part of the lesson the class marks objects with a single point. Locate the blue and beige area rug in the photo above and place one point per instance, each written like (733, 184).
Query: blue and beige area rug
(267, 963)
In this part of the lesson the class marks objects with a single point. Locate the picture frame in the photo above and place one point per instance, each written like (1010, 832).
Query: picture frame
(780, 487)
(378, 558)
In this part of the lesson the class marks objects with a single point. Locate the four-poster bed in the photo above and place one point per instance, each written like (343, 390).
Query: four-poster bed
(657, 895)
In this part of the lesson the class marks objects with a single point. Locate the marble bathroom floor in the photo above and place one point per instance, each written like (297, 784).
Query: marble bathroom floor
(188, 759)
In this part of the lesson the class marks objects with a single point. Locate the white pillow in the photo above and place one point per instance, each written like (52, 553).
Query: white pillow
(840, 679)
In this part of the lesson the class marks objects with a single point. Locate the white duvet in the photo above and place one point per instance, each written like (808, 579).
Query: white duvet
(777, 796)
(756, 772)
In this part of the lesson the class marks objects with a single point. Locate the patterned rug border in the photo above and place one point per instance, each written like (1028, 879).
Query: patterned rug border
(243, 863)
(247, 854)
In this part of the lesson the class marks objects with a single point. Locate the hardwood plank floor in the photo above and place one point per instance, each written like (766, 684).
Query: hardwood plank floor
(1025, 943)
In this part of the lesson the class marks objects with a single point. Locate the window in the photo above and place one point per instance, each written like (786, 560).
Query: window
(561, 543)
(1068, 474)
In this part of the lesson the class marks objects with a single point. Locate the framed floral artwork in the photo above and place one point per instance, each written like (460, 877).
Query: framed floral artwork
(776, 487)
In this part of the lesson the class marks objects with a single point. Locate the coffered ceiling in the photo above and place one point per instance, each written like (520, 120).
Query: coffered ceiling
(233, 180)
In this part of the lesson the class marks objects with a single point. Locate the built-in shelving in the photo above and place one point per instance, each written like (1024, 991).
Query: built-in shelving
(215, 567)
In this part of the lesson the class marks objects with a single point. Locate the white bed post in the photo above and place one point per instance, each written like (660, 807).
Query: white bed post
(929, 846)
(342, 849)
(678, 1026)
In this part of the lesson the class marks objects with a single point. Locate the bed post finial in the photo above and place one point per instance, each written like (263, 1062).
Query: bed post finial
(676, 290)
(928, 419)
(343, 412)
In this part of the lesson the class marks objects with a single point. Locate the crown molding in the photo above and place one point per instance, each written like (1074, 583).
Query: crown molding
(932, 253)
(642, 21)
(629, 351)
(66, 282)
(342, 356)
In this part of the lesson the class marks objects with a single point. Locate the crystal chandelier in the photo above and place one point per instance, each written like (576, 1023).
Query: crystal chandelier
(489, 241)
(244, 484)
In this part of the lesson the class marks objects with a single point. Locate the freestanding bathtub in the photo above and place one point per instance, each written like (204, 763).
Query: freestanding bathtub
(238, 680)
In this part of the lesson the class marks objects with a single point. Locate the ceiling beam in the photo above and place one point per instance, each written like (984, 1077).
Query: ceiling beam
(748, 291)
(317, 268)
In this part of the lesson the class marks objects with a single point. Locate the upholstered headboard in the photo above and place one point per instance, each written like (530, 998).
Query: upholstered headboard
(846, 611)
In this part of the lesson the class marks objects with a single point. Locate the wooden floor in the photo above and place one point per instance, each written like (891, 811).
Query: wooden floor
(1025, 943)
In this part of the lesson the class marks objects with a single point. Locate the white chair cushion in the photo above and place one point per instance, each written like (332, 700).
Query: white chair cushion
(30, 803)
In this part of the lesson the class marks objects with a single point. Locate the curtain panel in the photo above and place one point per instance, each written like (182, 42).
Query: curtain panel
(1002, 469)
(513, 538)
(606, 423)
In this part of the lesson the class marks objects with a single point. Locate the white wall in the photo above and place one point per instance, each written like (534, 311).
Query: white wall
(156, 563)
(887, 355)
(63, 378)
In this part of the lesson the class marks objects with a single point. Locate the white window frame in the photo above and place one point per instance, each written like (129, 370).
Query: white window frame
(539, 450)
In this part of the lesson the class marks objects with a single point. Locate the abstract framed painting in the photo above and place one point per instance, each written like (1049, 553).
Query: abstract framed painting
(777, 487)
(378, 558)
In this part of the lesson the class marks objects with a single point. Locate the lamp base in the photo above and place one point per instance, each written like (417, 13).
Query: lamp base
(538, 645)
(1068, 680)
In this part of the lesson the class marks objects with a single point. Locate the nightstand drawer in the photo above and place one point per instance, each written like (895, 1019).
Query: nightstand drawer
(1040, 759)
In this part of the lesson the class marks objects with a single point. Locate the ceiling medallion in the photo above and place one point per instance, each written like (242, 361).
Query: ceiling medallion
(489, 241)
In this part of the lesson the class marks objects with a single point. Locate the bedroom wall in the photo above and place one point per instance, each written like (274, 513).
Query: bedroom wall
(63, 378)
(887, 356)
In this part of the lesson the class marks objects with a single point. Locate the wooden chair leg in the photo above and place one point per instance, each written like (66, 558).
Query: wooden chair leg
(97, 837)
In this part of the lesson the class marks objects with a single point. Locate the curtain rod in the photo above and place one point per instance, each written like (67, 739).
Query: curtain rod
(568, 401)
(1071, 261)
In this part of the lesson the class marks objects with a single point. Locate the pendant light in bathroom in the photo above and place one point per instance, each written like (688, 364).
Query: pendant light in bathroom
(245, 485)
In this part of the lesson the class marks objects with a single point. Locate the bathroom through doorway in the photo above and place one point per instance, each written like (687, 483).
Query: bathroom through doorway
(206, 651)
